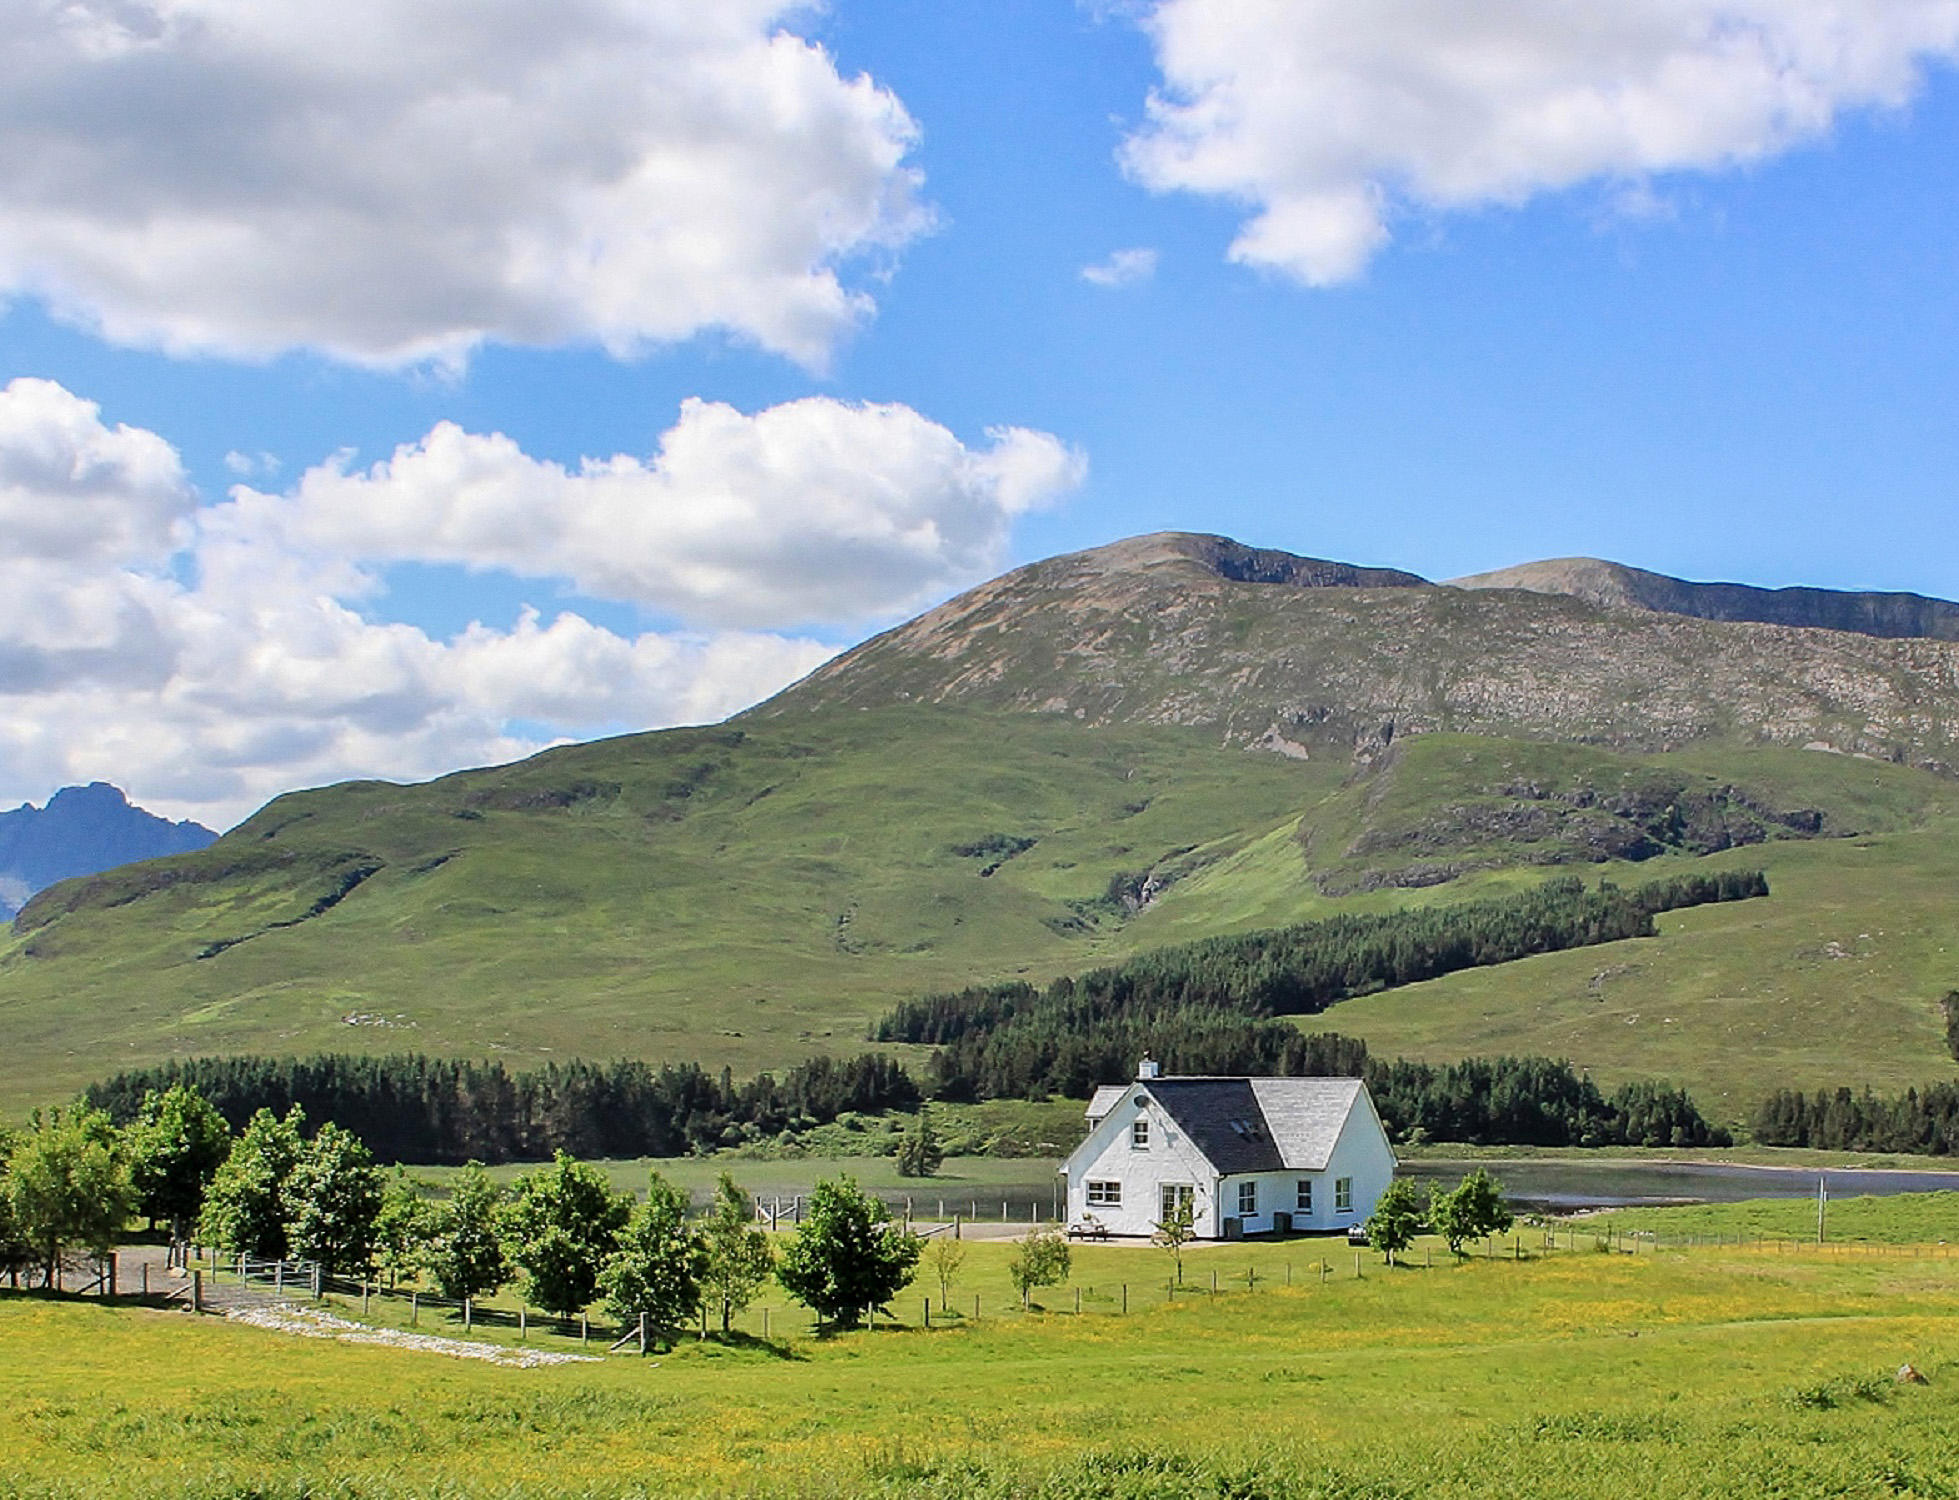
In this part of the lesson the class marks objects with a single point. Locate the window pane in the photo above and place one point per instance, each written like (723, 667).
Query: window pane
(1305, 1195)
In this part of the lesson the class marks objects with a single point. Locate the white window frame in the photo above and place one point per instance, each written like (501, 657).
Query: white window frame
(1248, 1200)
(1102, 1193)
(1303, 1201)
(1343, 1195)
(1139, 1134)
(1171, 1195)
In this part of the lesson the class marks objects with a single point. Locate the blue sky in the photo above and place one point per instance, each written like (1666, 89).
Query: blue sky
(1673, 286)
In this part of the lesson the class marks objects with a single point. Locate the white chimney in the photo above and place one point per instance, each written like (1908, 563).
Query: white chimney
(1148, 1068)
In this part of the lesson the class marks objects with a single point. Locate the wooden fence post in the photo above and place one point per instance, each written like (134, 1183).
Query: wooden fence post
(197, 1291)
(414, 1308)
(1125, 1296)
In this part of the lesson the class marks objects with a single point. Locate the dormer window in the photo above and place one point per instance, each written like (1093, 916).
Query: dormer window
(1139, 1135)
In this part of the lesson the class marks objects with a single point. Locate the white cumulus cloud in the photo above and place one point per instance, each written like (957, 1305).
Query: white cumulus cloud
(1326, 118)
(1123, 268)
(207, 657)
(394, 181)
(815, 510)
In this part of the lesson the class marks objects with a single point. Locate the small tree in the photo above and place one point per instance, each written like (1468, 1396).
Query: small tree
(847, 1258)
(1473, 1209)
(1175, 1230)
(466, 1257)
(739, 1255)
(68, 1185)
(404, 1227)
(1041, 1259)
(1391, 1228)
(563, 1223)
(333, 1197)
(16, 1255)
(945, 1255)
(245, 1210)
(920, 1151)
(176, 1146)
(656, 1272)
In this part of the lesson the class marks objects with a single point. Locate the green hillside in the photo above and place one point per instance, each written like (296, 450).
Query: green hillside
(745, 896)
(734, 896)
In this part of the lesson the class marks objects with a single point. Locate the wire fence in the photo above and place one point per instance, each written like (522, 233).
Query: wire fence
(1133, 1279)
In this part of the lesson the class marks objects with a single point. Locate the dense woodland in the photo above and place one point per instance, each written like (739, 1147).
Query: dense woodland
(410, 1108)
(1207, 1007)
(1922, 1121)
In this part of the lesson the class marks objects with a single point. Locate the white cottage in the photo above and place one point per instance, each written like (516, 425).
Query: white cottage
(1249, 1155)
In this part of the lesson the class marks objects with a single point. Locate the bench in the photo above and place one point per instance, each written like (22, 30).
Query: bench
(1089, 1230)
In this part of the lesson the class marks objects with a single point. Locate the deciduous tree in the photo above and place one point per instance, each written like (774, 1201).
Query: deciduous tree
(1396, 1219)
(945, 1255)
(1042, 1258)
(245, 1208)
(562, 1224)
(1175, 1230)
(404, 1227)
(466, 1256)
(68, 1186)
(739, 1255)
(1472, 1209)
(656, 1272)
(847, 1258)
(333, 1196)
(176, 1145)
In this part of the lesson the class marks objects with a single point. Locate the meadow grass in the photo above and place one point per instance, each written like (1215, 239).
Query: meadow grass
(1730, 1371)
(1918, 1219)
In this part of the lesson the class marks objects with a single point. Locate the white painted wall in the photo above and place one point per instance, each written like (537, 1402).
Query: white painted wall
(1362, 1152)
(1107, 1156)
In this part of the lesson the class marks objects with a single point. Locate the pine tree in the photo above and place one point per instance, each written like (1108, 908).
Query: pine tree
(920, 1152)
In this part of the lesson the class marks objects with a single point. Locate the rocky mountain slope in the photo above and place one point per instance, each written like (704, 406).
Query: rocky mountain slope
(82, 830)
(1614, 586)
(1301, 655)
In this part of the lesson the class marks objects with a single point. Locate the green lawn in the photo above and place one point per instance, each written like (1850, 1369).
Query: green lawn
(1670, 1374)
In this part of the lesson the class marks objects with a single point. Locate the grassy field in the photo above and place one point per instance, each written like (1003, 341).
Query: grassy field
(1906, 1219)
(746, 899)
(1666, 1374)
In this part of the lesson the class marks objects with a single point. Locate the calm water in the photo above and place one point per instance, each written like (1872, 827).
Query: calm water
(1618, 1184)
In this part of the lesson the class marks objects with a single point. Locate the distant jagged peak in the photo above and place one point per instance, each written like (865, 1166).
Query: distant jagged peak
(1610, 585)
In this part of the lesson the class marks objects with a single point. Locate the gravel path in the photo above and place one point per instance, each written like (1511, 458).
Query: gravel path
(311, 1323)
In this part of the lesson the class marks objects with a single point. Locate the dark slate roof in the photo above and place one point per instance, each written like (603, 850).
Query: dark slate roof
(1259, 1124)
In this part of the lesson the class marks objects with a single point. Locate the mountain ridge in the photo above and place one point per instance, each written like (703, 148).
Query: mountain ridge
(1156, 629)
(82, 830)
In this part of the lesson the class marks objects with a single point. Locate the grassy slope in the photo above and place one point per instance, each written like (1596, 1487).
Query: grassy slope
(749, 902)
(1729, 1000)
(741, 903)
(1668, 1375)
